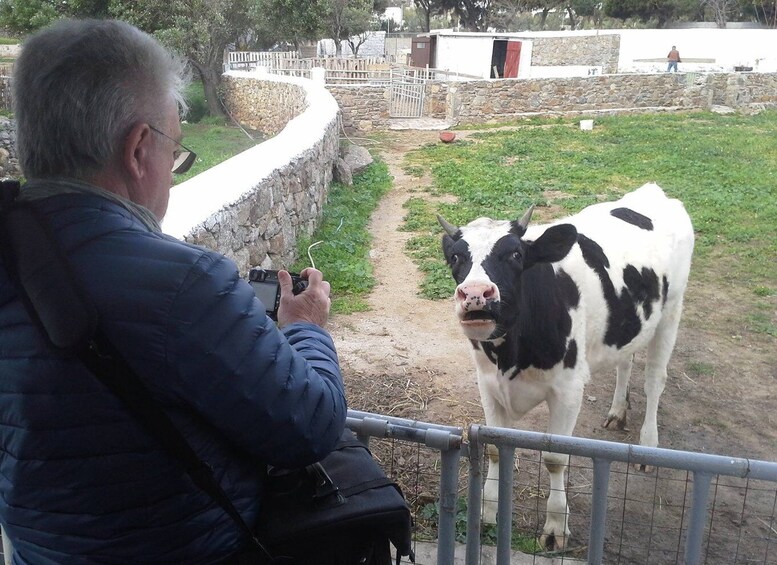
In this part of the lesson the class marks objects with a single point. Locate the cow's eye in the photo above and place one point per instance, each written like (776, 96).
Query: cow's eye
(455, 259)
(516, 256)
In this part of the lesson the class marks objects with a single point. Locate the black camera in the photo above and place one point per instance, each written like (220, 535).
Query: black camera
(268, 289)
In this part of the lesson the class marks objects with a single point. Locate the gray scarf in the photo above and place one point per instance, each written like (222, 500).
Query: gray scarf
(38, 189)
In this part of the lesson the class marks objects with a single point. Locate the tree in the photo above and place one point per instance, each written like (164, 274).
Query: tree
(291, 21)
(661, 10)
(198, 29)
(25, 16)
(721, 9)
(473, 15)
(346, 18)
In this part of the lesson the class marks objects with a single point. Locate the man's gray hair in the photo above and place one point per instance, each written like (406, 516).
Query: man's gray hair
(79, 86)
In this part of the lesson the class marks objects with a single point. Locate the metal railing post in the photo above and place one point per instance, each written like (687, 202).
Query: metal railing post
(598, 511)
(701, 490)
(474, 495)
(449, 488)
(504, 512)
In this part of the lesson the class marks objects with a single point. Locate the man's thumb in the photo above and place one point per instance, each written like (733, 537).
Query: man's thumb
(284, 280)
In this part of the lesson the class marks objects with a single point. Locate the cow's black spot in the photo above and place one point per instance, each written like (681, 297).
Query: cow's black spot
(569, 291)
(665, 291)
(634, 218)
(570, 359)
(475, 344)
(643, 287)
(593, 254)
(539, 337)
(623, 323)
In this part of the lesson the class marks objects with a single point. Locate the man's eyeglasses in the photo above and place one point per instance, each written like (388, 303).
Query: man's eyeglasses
(183, 159)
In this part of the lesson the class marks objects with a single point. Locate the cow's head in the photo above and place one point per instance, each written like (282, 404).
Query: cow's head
(487, 258)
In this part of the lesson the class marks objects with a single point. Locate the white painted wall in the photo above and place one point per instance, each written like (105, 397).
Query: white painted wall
(466, 53)
(194, 201)
(728, 48)
(641, 51)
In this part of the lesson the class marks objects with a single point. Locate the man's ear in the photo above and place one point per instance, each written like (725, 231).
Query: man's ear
(137, 151)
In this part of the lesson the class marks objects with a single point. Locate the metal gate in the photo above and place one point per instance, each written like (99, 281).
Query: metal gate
(407, 94)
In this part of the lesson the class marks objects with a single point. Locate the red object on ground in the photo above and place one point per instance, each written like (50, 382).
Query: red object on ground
(447, 136)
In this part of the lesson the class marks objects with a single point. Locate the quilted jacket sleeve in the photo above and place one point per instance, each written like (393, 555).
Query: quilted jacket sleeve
(276, 395)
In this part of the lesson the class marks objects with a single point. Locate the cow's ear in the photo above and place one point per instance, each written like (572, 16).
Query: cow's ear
(551, 246)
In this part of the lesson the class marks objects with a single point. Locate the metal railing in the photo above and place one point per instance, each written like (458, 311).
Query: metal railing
(703, 467)
(705, 473)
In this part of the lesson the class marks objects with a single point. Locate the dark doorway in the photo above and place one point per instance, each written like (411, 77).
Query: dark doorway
(498, 56)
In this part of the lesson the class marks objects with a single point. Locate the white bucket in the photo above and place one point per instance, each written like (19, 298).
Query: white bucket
(586, 125)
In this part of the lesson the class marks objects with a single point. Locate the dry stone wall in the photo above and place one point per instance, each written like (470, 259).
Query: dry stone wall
(595, 51)
(480, 101)
(254, 207)
(261, 104)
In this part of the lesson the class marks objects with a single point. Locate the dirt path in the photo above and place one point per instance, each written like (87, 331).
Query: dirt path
(407, 357)
(405, 335)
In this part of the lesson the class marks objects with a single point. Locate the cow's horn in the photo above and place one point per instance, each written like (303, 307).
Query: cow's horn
(449, 228)
(524, 221)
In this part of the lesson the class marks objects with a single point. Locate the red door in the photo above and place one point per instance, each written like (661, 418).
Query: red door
(512, 59)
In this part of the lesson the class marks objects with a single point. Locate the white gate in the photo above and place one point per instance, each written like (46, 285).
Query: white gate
(407, 94)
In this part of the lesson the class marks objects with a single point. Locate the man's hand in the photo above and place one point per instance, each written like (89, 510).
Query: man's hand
(311, 305)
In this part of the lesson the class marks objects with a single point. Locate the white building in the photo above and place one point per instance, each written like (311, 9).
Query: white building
(638, 51)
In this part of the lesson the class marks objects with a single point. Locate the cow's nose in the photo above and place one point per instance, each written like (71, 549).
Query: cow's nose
(477, 294)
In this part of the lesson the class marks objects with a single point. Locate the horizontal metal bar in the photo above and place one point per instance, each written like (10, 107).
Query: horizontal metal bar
(418, 432)
(657, 456)
(358, 414)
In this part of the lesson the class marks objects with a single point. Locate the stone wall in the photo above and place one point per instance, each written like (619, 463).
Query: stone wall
(479, 101)
(595, 51)
(255, 206)
(364, 108)
(9, 162)
(262, 105)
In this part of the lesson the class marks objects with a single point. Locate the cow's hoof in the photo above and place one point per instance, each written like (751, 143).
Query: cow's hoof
(643, 468)
(620, 422)
(553, 542)
(488, 517)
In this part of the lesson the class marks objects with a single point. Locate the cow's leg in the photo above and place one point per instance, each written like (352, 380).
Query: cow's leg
(658, 353)
(620, 399)
(497, 417)
(564, 406)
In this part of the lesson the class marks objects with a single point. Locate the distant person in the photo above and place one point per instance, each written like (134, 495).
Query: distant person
(673, 58)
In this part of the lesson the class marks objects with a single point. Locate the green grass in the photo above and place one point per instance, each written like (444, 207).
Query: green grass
(214, 142)
(9, 41)
(723, 167)
(343, 255)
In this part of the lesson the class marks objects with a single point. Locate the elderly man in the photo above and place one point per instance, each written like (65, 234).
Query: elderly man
(99, 137)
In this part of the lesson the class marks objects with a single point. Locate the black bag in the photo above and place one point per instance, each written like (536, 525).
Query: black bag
(341, 510)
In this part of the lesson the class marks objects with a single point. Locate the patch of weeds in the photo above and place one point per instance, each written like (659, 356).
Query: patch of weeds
(343, 256)
(764, 291)
(429, 516)
(701, 369)
(414, 170)
(762, 322)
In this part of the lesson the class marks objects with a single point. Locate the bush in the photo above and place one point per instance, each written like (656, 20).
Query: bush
(198, 107)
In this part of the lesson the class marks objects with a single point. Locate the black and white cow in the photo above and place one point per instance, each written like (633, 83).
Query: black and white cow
(544, 306)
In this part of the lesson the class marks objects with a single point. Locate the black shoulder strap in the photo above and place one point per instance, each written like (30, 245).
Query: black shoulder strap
(58, 306)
